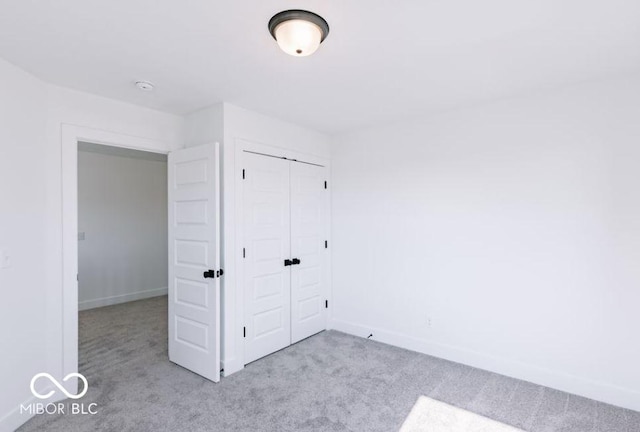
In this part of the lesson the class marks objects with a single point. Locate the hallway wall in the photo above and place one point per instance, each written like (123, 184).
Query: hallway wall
(122, 224)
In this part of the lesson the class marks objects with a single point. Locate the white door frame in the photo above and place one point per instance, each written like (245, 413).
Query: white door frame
(242, 145)
(71, 135)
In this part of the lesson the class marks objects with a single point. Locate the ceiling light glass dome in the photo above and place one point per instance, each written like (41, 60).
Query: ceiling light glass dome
(298, 32)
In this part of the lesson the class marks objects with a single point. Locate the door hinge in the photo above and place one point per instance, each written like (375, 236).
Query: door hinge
(325, 184)
(326, 304)
(244, 253)
(326, 244)
(244, 332)
(242, 173)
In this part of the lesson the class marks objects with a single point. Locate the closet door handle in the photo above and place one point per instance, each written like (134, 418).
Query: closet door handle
(288, 262)
(295, 261)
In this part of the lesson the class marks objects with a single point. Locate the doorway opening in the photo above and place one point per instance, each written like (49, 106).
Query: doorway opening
(71, 136)
(122, 254)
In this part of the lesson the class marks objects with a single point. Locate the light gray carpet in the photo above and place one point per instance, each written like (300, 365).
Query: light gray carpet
(329, 382)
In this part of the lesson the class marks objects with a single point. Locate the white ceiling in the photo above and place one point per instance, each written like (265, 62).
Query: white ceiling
(382, 61)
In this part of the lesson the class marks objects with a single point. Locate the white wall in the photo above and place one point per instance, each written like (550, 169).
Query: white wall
(205, 126)
(227, 124)
(22, 238)
(514, 227)
(122, 214)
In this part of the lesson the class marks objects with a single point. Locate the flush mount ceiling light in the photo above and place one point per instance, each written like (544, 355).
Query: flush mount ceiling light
(144, 85)
(298, 32)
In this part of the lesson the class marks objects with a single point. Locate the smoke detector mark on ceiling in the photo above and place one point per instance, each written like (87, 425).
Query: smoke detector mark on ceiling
(144, 85)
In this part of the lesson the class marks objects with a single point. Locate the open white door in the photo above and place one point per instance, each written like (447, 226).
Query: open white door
(194, 259)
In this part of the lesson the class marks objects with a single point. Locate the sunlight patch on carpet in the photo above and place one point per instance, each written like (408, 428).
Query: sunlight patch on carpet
(428, 415)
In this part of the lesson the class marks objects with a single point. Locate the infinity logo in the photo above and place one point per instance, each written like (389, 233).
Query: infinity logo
(57, 384)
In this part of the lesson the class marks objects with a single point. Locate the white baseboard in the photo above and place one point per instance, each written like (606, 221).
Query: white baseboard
(14, 418)
(122, 298)
(619, 396)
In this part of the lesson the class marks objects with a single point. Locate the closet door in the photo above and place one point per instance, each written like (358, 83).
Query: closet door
(267, 281)
(309, 206)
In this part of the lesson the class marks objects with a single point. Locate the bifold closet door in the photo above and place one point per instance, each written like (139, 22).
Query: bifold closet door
(267, 282)
(309, 205)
